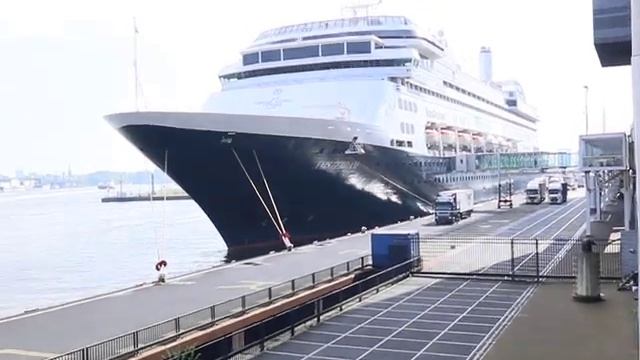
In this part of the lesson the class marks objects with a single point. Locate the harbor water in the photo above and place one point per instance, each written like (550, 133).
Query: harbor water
(61, 245)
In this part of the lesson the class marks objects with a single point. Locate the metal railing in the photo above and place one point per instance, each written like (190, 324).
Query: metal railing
(254, 337)
(514, 258)
(133, 342)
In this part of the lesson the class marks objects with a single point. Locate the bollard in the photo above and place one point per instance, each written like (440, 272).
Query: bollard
(588, 276)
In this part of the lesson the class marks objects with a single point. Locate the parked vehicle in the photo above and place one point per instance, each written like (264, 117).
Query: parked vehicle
(453, 206)
(536, 191)
(558, 192)
(572, 183)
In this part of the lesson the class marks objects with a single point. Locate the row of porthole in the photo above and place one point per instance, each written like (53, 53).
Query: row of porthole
(404, 104)
(407, 128)
(401, 143)
(438, 95)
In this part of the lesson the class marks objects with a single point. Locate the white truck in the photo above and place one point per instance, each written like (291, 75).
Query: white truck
(558, 191)
(536, 191)
(453, 206)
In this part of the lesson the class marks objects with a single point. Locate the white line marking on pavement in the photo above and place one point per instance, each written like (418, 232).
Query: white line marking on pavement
(26, 353)
(248, 284)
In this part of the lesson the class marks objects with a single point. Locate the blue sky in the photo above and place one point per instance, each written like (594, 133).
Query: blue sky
(65, 64)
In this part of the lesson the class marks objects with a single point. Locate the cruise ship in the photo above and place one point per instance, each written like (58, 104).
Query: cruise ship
(323, 128)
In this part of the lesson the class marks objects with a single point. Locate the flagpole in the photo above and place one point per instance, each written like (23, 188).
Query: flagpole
(135, 59)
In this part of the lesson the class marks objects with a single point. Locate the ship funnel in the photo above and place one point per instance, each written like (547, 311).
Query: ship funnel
(486, 68)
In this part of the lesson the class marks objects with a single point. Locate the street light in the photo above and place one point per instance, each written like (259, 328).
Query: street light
(586, 108)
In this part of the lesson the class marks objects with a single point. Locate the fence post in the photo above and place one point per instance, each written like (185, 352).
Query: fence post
(332, 275)
(293, 285)
(270, 293)
(176, 322)
(361, 262)
(513, 261)
(85, 353)
(313, 279)
(243, 302)
(213, 313)
(348, 266)
(262, 336)
(136, 340)
(537, 262)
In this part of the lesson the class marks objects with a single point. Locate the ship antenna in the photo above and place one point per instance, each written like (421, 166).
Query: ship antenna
(135, 60)
(357, 6)
(137, 85)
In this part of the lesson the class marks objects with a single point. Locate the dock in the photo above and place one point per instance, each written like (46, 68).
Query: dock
(130, 198)
(57, 330)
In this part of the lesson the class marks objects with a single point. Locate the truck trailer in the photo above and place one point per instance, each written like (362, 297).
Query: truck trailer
(453, 206)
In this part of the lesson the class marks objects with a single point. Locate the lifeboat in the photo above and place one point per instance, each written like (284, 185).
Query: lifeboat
(479, 144)
(448, 138)
(433, 139)
(492, 144)
(465, 142)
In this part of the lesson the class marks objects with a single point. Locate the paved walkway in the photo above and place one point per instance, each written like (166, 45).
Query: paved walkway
(553, 326)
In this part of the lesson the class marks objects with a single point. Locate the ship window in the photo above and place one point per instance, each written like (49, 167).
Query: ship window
(270, 55)
(392, 142)
(248, 59)
(360, 47)
(511, 102)
(313, 67)
(332, 49)
(400, 143)
(410, 143)
(301, 52)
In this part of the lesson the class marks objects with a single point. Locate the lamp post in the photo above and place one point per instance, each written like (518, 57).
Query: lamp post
(586, 109)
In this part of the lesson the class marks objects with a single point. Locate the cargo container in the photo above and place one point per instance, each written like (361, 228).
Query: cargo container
(389, 248)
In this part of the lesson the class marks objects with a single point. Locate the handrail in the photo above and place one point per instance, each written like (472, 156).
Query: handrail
(157, 333)
(397, 272)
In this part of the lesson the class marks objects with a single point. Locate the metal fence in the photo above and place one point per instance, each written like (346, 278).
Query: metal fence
(513, 258)
(132, 343)
(252, 339)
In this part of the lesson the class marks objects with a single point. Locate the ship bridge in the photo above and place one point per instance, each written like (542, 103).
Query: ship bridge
(307, 39)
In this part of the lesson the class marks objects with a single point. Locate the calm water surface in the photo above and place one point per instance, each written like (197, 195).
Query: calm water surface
(61, 245)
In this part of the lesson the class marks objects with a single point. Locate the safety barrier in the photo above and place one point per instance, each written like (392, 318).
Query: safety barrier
(514, 258)
(132, 343)
(252, 339)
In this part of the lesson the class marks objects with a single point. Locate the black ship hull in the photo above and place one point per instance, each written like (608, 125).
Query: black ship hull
(320, 191)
